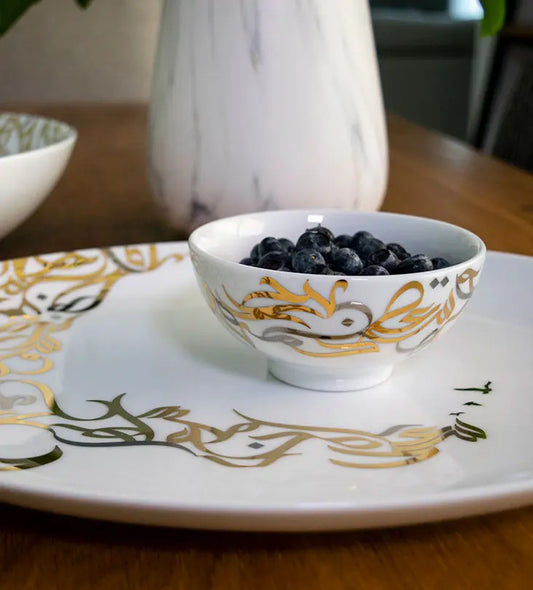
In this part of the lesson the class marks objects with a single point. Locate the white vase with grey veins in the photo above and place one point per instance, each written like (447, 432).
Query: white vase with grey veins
(265, 104)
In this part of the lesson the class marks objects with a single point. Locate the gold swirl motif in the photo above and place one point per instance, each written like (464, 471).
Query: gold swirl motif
(405, 316)
(397, 446)
(22, 133)
(84, 280)
(79, 282)
(30, 319)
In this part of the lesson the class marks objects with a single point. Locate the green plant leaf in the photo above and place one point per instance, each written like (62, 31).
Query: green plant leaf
(11, 10)
(494, 18)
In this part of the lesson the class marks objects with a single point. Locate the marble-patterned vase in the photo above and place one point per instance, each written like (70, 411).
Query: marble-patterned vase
(265, 104)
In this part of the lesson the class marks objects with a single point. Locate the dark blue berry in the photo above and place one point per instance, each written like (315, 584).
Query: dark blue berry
(287, 245)
(329, 271)
(369, 246)
(312, 240)
(308, 261)
(320, 229)
(319, 251)
(288, 261)
(439, 263)
(346, 261)
(269, 244)
(399, 250)
(359, 238)
(384, 258)
(273, 260)
(374, 270)
(329, 256)
(416, 263)
(254, 254)
(343, 241)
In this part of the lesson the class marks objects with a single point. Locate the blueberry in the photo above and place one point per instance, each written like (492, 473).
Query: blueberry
(374, 269)
(399, 250)
(329, 271)
(369, 246)
(416, 263)
(269, 244)
(274, 260)
(288, 261)
(439, 263)
(343, 241)
(287, 245)
(346, 261)
(319, 251)
(384, 258)
(254, 254)
(320, 229)
(308, 261)
(359, 238)
(329, 256)
(312, 240)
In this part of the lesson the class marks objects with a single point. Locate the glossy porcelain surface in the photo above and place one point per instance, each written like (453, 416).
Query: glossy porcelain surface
(335, 333)
(122, 398)
(34, 152)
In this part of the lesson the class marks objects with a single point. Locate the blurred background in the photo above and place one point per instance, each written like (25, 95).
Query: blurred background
(435, 68)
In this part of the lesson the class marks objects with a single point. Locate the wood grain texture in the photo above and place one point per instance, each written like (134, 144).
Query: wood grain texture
(435, 176)
(104, 199)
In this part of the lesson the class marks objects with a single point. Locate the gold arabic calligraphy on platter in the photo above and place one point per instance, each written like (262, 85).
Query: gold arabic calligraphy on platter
(41, 297)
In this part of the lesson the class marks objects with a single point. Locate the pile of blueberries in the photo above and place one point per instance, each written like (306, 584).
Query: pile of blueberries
(319, 251)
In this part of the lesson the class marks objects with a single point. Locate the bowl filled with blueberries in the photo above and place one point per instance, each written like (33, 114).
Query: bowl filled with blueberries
(334, 298)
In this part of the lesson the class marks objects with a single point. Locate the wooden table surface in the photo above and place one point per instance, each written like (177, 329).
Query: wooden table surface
(103, 199)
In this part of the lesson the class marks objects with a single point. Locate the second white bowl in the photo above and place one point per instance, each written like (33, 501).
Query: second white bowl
(34, 152)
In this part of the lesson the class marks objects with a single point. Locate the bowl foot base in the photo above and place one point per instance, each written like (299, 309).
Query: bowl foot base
(328, 379)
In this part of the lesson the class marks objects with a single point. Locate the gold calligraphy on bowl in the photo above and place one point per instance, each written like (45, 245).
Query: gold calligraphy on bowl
(405, 316)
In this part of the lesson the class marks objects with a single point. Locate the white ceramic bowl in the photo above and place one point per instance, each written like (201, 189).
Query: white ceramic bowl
(34, 152)
(330, 332)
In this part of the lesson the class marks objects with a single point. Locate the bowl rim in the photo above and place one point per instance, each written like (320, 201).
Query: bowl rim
(70, 139)
(479, 255)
